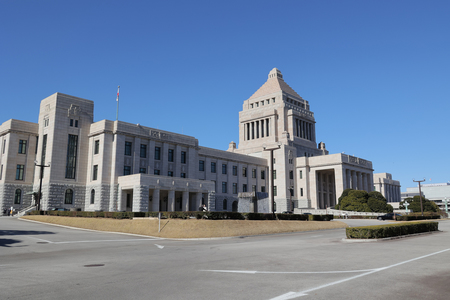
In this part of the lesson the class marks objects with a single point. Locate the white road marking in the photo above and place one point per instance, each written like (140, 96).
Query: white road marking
(271, 272)
(159, 246)
(292, 295)
(101, 241)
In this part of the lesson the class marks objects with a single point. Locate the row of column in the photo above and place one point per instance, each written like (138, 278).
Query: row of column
(142, 197)
(326, 189)
(256, 129)
(358, 180)
(392, 193)
(303, 129)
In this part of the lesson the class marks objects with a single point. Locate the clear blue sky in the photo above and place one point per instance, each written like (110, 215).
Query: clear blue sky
(376, 73)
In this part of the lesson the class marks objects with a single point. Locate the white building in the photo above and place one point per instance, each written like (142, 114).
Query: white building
(436, 192)
(118, 166)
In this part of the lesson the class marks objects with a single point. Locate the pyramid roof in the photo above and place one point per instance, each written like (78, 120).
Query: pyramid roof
(274, 83)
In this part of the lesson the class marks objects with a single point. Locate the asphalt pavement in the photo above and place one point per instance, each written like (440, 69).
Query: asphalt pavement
(40, 261)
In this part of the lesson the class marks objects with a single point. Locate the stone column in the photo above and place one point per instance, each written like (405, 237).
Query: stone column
(171, 201)
(354, 186)
(185, 201)
(155, 201)
(198, 200)
(359, 180)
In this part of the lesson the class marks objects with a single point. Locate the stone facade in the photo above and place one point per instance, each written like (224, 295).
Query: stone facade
(388, 187)
(119, 166)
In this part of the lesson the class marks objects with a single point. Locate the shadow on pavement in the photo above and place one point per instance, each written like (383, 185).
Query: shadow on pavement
(23, 232)
(8, 242)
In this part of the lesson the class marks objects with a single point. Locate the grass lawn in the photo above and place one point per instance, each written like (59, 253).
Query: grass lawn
(190, 228)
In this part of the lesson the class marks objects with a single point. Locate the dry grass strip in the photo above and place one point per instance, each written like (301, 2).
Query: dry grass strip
(191, 228)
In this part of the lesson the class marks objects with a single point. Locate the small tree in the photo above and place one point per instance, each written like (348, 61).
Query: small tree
(414, 204)
(356, 200)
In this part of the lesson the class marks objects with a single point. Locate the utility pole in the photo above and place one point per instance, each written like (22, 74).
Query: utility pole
(420, 194)
(272, 180)
(38, 204)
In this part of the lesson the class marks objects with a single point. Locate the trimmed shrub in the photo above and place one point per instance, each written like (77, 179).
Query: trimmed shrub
(390, 230)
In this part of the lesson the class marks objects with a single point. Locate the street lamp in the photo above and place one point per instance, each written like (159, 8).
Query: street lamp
(420, 194)
(272, 181)
(38, 204)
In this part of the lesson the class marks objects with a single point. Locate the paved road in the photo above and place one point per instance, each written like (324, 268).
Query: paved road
(39, 261)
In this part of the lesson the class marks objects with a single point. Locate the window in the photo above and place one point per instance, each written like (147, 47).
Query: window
(142, 170)
(213, 167)
(291, 174)
(201, 165)
(234, 188)
(224, 169)
(143, 152)
(22, 147)
(224, 187)
(263, 189)
(244, 171)
(128, 148)
(1, 172)
(157, 172)
(96, 147)
(301, 192)
(46, 122)
(183, 175)
(224, 205)
(244, 188)
(263, 175)
(170, 174)
(44, 149)
(92, 196)
(37, 143)
(183, 157)
(234, 170)
(274, 174)
(301, 174)
(71, 123)
(4, 146)
(253, 188)
(76, 123)
(126, 170)
(68, 197)
(71, 162)
(17, 196)
(157, 153)
(19, 172)
(170, 158)
(274, 190)
(95, 172)
(253, 173)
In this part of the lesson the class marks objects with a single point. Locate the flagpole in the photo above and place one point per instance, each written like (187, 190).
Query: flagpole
(117, 111)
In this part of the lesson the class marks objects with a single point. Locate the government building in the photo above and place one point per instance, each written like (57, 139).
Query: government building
(119, 166)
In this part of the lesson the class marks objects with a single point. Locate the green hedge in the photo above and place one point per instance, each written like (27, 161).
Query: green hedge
(418, 216)
(390, 230)
(222, 215)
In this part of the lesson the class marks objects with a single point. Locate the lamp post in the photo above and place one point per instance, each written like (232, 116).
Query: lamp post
(38, 204)
(272, 181)
(420, 194)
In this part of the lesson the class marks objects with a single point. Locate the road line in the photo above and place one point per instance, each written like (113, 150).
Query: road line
(293, 295)
(101, 241)
(270, 272)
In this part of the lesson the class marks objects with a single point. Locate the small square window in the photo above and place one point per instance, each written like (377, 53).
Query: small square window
(157, 172)
(126, 170)
(170, 174)
(183, 175)
(142, 170)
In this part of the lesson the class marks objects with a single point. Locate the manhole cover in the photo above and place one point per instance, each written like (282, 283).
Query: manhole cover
(95, 265)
